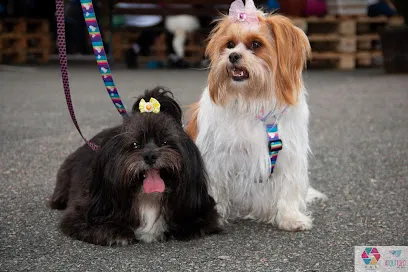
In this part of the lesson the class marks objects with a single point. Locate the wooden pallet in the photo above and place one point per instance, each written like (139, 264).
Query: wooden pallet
(24, 40)
(326, 25)
(346, 61)
(24, 57)
(342, 61)
(343, 25)
(333, 42)
(367, 25)
(369, 58)
(23, 25)
(345, 42)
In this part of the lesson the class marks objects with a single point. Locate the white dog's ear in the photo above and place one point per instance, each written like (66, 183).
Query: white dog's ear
(292, 49)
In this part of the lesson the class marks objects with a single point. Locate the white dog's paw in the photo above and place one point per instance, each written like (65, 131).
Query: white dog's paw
(294, 222)
(223, 213)
(222, 221)
(313, 195)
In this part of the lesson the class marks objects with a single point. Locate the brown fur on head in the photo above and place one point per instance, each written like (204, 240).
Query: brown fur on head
(272, 57)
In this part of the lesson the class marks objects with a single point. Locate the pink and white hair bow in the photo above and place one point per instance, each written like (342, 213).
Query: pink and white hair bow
(238, 12)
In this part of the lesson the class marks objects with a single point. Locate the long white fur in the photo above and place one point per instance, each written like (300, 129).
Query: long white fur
(234, 147)
(152, 224)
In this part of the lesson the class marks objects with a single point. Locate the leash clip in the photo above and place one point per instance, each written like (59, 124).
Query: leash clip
(275, 145)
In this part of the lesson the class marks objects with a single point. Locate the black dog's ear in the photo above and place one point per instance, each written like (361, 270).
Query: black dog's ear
(106, 197)
(192, 209)
(166, 99)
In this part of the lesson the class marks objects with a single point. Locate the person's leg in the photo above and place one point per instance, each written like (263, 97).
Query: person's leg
(141, 46)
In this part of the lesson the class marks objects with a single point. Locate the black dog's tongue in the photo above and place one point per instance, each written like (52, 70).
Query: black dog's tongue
(153, 182)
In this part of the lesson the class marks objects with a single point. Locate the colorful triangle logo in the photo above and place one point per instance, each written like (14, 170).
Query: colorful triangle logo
(373, 261)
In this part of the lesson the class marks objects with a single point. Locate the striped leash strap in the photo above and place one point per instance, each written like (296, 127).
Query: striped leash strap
(99, 53)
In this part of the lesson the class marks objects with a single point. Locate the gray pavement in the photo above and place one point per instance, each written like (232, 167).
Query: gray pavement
(359, 136)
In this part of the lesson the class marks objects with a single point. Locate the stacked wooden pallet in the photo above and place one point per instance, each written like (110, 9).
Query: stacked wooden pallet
(24, 40)
(344, 42)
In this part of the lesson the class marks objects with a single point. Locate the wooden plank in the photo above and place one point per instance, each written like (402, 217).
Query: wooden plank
(365, 58)
(347, 44)
(347, 62)
(300, 23)
(372, 53)
(323, 37)
(368, 37)
(37, 50)
(396, 21)
(319, 20)
(347, 27)
(342, 61)
(377, 19)
(17, 57)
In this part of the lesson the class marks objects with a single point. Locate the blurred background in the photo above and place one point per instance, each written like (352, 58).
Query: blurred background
(344, 34)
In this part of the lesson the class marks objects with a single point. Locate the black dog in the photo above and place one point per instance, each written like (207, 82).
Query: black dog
(147, 182)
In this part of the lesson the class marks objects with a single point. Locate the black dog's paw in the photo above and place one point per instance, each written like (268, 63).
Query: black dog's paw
(104, 234)
(57, 203)
(110, 235)
(121, 240)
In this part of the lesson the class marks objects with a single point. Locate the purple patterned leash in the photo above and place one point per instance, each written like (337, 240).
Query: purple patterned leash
(64, 71)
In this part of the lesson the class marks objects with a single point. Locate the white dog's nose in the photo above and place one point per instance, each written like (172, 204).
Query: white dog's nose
(234, 57)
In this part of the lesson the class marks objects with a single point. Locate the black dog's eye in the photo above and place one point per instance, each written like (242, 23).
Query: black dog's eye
(230, 45)
(163, 143)
(256, 44)
(136, 146)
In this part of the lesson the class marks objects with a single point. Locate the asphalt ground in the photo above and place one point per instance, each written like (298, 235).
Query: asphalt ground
(359, 137)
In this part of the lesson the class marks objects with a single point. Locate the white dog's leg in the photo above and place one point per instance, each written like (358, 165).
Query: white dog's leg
(220, 195)
(292, 214)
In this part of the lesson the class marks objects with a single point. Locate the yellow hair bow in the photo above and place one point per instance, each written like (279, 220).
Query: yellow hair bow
(152, 106)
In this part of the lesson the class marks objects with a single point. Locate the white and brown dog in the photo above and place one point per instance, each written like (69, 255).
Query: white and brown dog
(251, 123)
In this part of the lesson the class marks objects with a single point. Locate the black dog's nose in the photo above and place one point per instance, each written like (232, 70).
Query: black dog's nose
(234, 57)
(150, 157)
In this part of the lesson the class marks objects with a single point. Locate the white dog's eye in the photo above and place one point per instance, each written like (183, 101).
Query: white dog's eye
(230, 44)
(256, 44)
